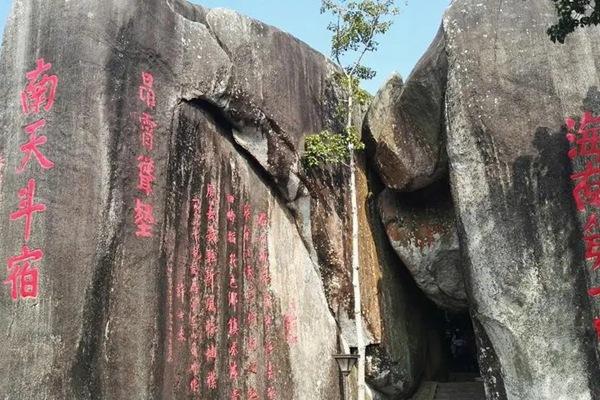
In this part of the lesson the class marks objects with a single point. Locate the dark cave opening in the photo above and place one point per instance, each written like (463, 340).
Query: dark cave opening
(460, 347)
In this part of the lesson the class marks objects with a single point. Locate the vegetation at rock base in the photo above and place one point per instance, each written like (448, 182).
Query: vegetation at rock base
(573, 14)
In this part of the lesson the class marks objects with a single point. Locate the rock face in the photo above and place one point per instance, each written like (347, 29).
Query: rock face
(405, 124)
(422, 230)
(158, 251)
(177, 244)
(509, 90)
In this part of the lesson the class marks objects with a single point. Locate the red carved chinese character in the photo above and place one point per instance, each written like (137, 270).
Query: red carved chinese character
(236, 394)
(211, 213)
(210, 257)
(232, 282)
(232, 259)
(587, 138)
(233, 371)
(210, 327)
(247, 212)
(181, 335)
(211, 380)
(591, 223)
(232, 327)
(268, 320)
(212, 236)
(148, 126)
(252, 318)
(193, 347)
(194, 270)
(262, 240)
(233, 350)
(195, 368)
(211, 305)
(252, 344)
(195, 306)
(209, 278)
(233, 300)
(587, 190)
(249, 272)
(180, 315)
(146, 93)
(180, 291)
(145, 174)
(196, 251)
(231, 237)
(144, 219)
(289, 324)
(252, 368)
(196, 204)
(231, 216)
(592, 249)
(211, 191)
(26, 207)
(246, 233)
(594, 292)
(252, 394)
(263, 255)
(597, 325)
(263, 220)
(265, 276)
(22, 278)
(269, 348)
(250, 295)
(211, 353)
(40, 89)
(267, 302)
(230, 199)
(271, 393)
(31, 147)
(270, 371)
(194, 385)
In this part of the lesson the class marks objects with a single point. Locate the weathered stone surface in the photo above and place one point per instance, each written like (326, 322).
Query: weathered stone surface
(422, 230)
(123, 317)
(117, 316)
(509, 90)
(405, 124)
(406, 340)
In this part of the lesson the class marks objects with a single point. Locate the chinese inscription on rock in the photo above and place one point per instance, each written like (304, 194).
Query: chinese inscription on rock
(37, 100)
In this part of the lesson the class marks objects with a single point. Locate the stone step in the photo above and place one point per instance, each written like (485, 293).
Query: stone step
(460, 391)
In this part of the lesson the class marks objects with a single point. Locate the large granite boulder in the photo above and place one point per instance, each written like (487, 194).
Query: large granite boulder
(421, 228)
(509, 91)
(153, 265)
(405, 124)
(181, 239)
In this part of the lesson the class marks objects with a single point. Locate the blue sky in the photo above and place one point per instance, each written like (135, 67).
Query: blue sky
(398, 51)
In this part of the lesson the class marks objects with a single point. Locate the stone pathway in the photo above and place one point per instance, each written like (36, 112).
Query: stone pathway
(460, 391)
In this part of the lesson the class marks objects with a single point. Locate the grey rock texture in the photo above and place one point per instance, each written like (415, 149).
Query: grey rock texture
(421, 227)
(405, 124)
(123, 317)
(509, 90)
(406, 349)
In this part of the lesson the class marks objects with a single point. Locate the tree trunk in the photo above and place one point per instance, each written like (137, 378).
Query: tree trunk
(355, 262)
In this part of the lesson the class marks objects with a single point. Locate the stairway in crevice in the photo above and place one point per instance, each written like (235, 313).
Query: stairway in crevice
(459, 391)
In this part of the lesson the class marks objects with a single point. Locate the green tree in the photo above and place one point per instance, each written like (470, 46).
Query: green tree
(355, 26)
(573, 14)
